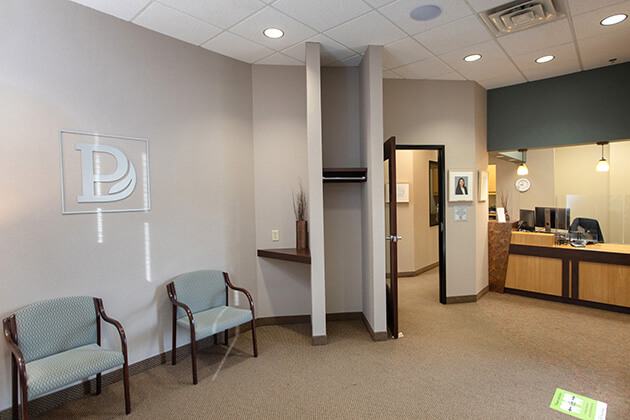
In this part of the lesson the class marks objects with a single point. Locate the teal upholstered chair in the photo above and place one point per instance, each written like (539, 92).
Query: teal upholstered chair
(57, 342)
(200, 304)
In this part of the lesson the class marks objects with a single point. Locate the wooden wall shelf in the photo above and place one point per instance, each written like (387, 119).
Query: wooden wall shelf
(287, 254)
(344, 175)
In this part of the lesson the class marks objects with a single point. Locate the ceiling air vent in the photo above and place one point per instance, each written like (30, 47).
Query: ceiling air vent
(519, 15)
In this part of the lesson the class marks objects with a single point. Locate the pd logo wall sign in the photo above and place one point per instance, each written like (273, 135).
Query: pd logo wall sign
(101, 173)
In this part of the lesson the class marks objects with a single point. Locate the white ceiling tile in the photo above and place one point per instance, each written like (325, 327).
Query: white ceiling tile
(487, 70)
(323, 14)
(483, 5)
(425, 69)
(252, 28)
(398, 12)
(598, 50)
(566, 61)
(176, 24)
(402, 52)
(278, 59)
(455, 35)
(388, 74)
(237, 47)
(353, 61)
(221, 13)
(502, 81)
(378, 3)
(587, 24)
(448, 76)
(369, 29)
(122, 9)
(538, 37)
(577, 7)
(330, 51)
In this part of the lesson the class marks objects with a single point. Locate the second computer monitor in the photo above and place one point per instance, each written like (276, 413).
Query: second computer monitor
(559, 217)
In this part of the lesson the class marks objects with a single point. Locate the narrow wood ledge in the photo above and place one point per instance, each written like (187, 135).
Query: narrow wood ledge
(287, 254)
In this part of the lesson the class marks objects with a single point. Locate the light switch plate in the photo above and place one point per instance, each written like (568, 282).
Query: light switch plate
(275, 235)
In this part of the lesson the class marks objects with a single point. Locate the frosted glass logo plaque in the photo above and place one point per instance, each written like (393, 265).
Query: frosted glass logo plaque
(103, 173)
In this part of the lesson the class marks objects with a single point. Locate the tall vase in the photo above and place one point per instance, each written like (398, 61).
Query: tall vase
(301, 240)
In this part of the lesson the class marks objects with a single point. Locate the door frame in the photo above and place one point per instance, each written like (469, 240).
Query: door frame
(441, 211)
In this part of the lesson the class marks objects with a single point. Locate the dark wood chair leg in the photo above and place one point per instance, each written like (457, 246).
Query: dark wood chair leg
(24, 403)
(99, 383)
(193, 351)
(14, 385)
(254, 337)
(226, 336)
(174, 350)
(126, 384)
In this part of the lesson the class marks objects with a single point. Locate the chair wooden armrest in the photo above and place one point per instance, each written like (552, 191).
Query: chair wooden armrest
(240, 289)
(10, 339)
(18, 364)
(98, 302)
(100, 313)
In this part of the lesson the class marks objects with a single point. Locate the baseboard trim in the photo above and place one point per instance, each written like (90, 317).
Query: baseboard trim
(283, 320)
(467, 298)
(418, 271)
(379, 336)
(483, 292)
(319, 340)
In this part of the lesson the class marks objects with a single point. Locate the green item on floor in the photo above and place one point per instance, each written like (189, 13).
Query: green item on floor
(578, 406)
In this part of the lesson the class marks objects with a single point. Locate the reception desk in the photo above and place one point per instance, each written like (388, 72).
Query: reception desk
(596, 276)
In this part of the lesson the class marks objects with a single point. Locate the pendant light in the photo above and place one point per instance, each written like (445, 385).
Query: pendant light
(602, 165)
(522, 168)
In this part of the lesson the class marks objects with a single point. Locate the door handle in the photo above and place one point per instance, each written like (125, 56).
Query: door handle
(393, 238)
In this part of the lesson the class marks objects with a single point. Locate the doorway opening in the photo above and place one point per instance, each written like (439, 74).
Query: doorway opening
(422, 167)
(414, 187)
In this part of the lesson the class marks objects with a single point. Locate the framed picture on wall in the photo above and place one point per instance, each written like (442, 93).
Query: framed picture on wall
(460, 185)
(483, 186)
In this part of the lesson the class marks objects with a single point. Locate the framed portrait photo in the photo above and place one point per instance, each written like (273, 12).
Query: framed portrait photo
(460, 185)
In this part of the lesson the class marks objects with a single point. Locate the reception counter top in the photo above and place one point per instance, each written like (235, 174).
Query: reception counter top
(597, 275)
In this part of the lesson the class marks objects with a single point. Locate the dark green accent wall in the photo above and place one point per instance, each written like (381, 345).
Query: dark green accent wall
(583, 107)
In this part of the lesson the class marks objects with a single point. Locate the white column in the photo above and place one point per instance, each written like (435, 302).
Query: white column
(315, 192)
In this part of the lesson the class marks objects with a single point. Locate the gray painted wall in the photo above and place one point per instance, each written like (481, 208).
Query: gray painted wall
(342, 202)
(279, 110)
(65, 66)
(451, 114)
(584, 107)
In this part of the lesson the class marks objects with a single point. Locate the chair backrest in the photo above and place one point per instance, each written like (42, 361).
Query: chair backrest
(56, 325)
(589, 225)
(200, 290)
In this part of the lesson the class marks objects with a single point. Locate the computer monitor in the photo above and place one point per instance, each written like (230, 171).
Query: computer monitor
(527, 219)
(559, 217)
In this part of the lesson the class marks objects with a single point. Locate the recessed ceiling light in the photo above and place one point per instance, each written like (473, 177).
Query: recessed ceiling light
(614, 19)
(273, 33)
(425, 12)
(472, 57)
(545, 59)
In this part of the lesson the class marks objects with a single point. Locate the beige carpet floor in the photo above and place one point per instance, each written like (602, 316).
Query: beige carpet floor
(500, 358)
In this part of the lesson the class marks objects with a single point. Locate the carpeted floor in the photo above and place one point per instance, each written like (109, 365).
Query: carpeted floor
(500, 358)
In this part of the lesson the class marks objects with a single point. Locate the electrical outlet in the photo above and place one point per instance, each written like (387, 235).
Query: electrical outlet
(275, 235)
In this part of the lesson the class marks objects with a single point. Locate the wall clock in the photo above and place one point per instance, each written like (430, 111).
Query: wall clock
(523, 184)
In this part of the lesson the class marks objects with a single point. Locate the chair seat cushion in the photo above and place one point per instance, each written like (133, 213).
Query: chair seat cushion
(58, 370)
(215, 320)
